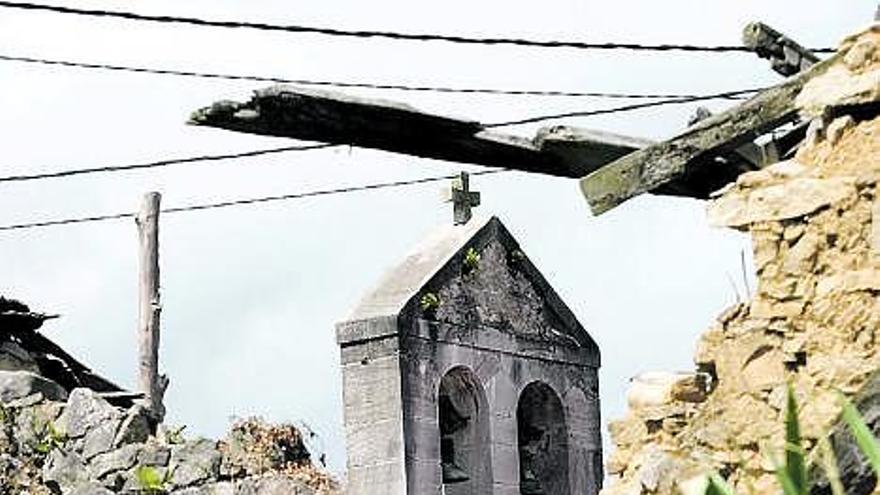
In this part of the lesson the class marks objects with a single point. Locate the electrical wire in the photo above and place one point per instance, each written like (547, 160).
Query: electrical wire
(244, 202)
(161, 163)
(195, 21)
(625, 108)
(336, 84)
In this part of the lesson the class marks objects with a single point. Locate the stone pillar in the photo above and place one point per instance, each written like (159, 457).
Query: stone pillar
(373, 407)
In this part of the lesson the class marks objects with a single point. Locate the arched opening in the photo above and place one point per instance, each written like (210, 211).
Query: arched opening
(542, 438)
(465, 443)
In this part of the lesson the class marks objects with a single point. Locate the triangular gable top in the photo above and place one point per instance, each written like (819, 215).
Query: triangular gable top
(437, 260)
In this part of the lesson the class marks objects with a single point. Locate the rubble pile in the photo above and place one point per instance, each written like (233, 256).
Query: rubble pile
(815, 226)
(88, 437)
(85, 445)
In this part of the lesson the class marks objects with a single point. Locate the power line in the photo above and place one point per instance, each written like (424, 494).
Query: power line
(160, 163)
(67, 221)
(375, 34)
(336, 84)
(625, 108)
(248, 201)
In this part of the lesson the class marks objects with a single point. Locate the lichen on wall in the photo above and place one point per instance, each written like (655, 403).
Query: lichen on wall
(494, 292)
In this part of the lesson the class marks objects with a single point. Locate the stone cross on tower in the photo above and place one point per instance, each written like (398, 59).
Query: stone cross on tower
(463, 199)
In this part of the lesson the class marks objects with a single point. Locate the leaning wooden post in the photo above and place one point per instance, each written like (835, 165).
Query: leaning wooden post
(151, 383)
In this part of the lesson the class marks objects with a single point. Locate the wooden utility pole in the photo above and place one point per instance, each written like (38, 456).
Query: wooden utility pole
(152, 384)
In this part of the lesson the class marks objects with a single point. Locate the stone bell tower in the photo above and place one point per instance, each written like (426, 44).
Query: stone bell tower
(464, 373)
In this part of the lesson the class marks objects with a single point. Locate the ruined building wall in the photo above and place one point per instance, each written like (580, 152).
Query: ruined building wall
(813, 320)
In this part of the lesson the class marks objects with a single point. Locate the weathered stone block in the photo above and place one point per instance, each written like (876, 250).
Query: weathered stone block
(14, 357)
(99, 439)
(801, 256)
(64, 470)
(791, 199)
(658, 388)
(764, 370)
(768, 309)
(120, 459)
(16, 385)
(851, 281)
(135, 428)
(855, 79)
(153, 454)
(90, 488)
(85, 411)
(271, 485)
(194, 461)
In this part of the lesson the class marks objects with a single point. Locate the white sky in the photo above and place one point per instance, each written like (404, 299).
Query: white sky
(251, 294)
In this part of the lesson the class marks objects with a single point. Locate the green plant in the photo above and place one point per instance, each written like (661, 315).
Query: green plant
(151, 480)
(175, 435)
(50, 438)
(429, 302)
(864, 438)
(829, 464)
(517, 256)
(792, 475)
(471, 260)
(717, 486)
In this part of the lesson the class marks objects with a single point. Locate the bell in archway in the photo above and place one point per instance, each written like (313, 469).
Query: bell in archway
(530, 439)
(529, 485)
(451, 421)
(453, 474)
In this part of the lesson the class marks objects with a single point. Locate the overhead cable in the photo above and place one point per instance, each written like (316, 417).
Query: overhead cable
(337, 84)
(624, 108)
(244, 202)
(159, 163)
(291, 28)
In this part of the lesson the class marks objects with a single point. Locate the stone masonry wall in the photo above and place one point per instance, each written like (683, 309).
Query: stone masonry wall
(814, 318)
(79, 444)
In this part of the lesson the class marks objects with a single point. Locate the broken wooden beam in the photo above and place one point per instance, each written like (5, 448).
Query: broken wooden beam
(585, 149)
(695, 153)
(336, 118)
(786, 56)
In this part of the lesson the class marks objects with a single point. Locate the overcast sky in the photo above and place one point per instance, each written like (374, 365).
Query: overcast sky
(251, 294)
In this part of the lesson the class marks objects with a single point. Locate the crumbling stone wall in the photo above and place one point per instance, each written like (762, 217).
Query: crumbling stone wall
(66, 430)
(813, 321)
(60, 434)
(52, 443)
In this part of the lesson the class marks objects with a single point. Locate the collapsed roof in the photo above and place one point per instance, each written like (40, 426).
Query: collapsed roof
(23, 347)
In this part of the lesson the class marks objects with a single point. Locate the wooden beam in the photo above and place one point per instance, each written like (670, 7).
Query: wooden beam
(333, 117)
(586, 150)
(151, 383)
(786, 56)
(695, 152)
